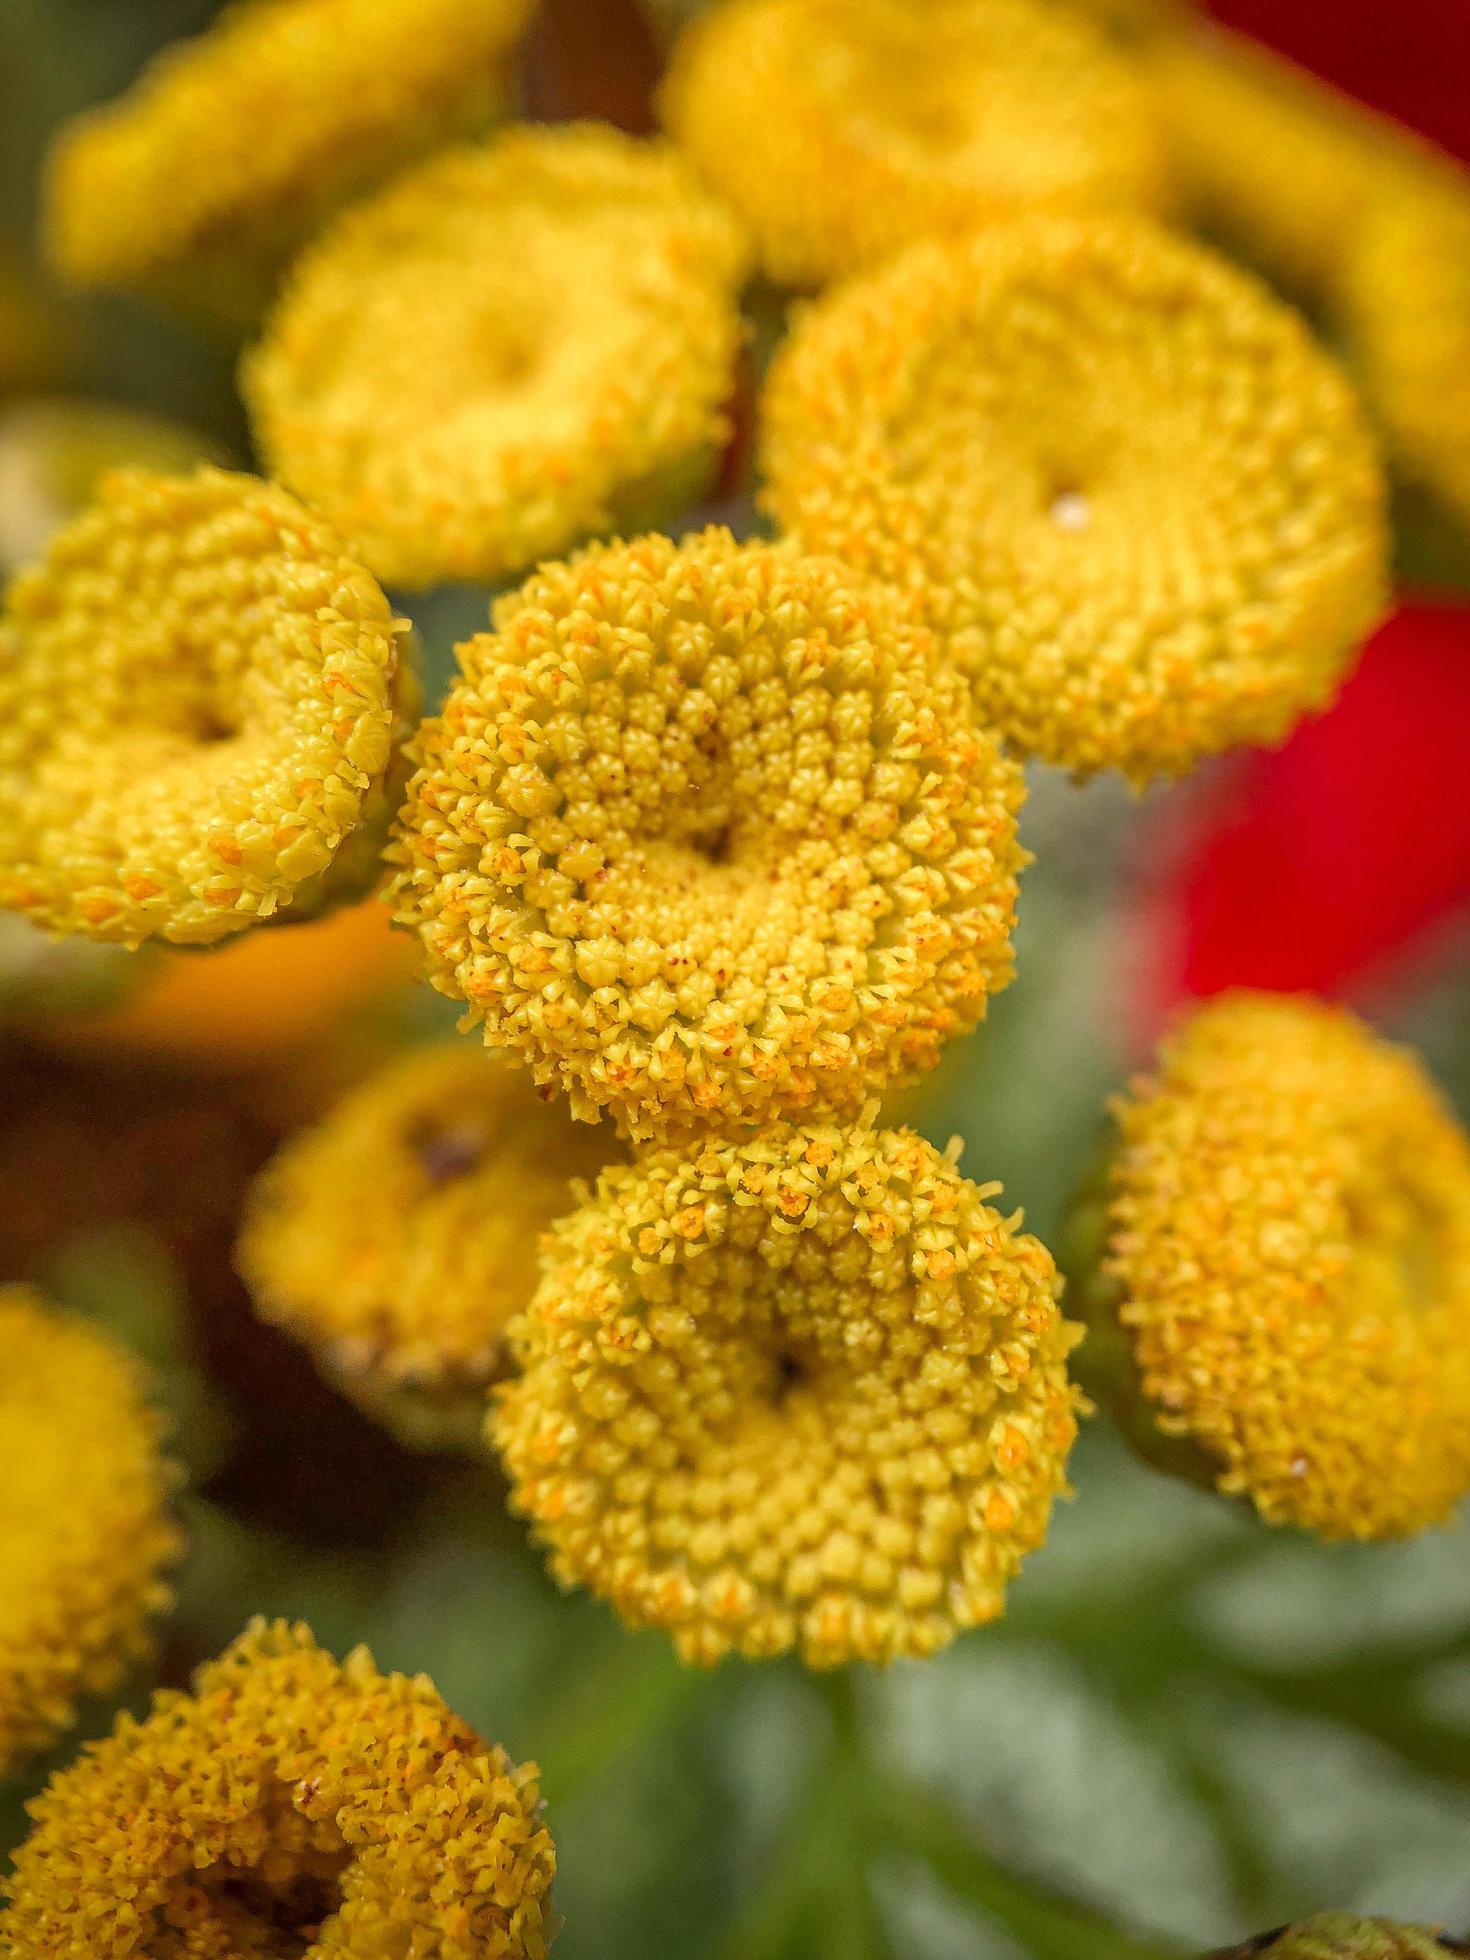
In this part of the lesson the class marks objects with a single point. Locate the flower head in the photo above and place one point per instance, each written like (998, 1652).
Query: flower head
(704, 834)
(398, 1236)
(806, 1391)
(233, 147)
(840, 129)
(197, 713)
(1406, 312)
(1290, 1239)
(512, 346)
(290, 1803)
(1344, 1936)
(1134, 497)
(86, 1533)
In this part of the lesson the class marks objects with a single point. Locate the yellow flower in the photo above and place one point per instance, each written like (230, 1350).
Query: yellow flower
(841, 129)
(86, 1533)
(1290, 1243)
(290, 1803)
(513, 346)
(1135, 498)
(703, 834)
(233, 147)
(803, 1391)
(398, 1237)
(1276, 164)
(1406, 309)
(197, 714)
(1344, 1936)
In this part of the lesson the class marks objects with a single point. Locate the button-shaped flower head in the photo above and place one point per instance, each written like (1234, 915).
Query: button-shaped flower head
(1289, 1257)
(233, 147)
(86, 1534)
(806, 1391)
(513, 346)
(290, 1804)
(197, 714)
(1137, 500)
(397, 1237)
(842, 129)
(1346, 1936)
(705, 834)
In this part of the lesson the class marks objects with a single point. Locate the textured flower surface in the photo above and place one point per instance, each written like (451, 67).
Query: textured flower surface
(86, 1533)
(1290, 1230)
(1134, 497)
(1344, 1936)
(705, 835)
(234, 146)
(197, 713)
(290, 1804)
(512, 346)
(841, 129)
(398, 1236)
(805, 1391)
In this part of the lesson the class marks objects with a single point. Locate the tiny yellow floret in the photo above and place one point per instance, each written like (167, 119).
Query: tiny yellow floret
(512, 347)
(1137, 501)
(290, 1803)
(802, 1392)
(234, 147)
(704, 834)
(842, 129)
(198, 709)
(397, 1237)
(1290, 1232)
(86, 1534)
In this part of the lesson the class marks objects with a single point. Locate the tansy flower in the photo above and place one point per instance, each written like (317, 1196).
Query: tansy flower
(398, 1237)
(803, 1391)
(197, 714)
(1289, 1224)
(54, 450)
(1406, 314)
(513, 346)
(704, 834)
(85, 1534)
(1135, 498)
(1344, 1936)
(841, 129)
(290, 1804)
(233, 147)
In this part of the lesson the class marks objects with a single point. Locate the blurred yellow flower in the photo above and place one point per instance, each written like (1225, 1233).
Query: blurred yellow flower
(804, 1391)
(1406, 313)
(1290, 1238)
(232, 148)
(197, 714)
(705, 835)
(290, 1803)
(1135, 498)
(511, 347)
(86, 1534)
(398, 1236)
(1344, 1936)
(842, 129)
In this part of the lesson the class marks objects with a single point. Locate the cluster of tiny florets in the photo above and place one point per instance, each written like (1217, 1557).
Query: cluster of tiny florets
(1138, 503)
(803, 1391)
(235, 146)
(289, 1803)
(1346, 1936)
(842, 129)
(513, 346)
(86, 1536)
(398, 1236)
(1290, 1230)
(198, 692)
(705, 834)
